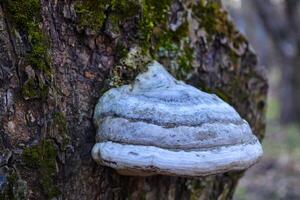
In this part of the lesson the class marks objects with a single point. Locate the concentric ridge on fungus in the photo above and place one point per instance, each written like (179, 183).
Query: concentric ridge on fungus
(159, 125)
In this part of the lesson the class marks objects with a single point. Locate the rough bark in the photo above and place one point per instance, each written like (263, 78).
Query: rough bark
(58, 57)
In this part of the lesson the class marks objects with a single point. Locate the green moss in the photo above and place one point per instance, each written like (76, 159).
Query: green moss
(38, 56)
(11, 180)
(33, 89)
(90, 13)
(15, 188)
(154, 36)
(165, 38)
(31, 157)
(154, 14)
(185, 61)
(113, 24)
(121, 51)
(216, 23)
(143, 196)
(42, 157)
(234, 58)
(61, 128)
(60, 122)
(196, 187)
(210, 17)
(130, 66)
(152, 24)
(23, 11)
(173, 46)
(125, 8)
(25, 15)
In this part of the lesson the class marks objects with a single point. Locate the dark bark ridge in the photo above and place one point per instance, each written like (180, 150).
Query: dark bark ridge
(58, 57)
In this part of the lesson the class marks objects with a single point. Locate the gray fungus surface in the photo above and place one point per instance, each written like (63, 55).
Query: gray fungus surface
(159, 125)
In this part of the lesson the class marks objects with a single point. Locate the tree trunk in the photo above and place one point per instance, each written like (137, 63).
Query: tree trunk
(58, 57)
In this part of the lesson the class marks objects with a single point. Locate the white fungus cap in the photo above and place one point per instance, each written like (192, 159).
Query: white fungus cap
(159, 125)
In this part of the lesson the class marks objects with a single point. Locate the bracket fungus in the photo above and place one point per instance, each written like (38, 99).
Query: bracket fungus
(159, 125)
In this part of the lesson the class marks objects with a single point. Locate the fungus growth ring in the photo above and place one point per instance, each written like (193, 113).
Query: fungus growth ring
(159, 125)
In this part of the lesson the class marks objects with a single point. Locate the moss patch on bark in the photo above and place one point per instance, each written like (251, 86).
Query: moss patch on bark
(25, 16)
(42, 158)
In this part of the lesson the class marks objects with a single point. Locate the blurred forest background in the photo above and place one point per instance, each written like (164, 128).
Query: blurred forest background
(273, 29)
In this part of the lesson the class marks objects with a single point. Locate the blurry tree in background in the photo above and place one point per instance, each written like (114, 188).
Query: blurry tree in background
(280, 23)
(272, 29)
